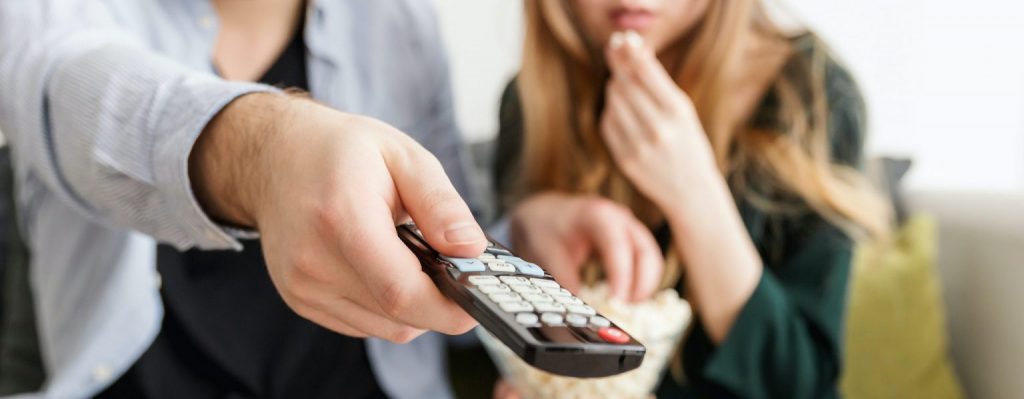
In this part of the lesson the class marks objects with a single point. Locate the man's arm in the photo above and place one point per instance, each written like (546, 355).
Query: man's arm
(110, 127)
(105, 123)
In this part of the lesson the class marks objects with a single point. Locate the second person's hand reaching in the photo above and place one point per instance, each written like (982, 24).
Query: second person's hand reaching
(562, 232)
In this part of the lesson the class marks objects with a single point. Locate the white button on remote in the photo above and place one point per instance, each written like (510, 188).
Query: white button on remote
(576, 320)
(515, 307)
(599, 322)
(581, 309)
(551, 318)
(557, 291)
(502, 297)
(534, 298)
(513, 280)
(568, 300)
(545, 283)
(483, 280)
(525, 289)
(526, 318)
(493, 288)
(499, 266)
(550, 307)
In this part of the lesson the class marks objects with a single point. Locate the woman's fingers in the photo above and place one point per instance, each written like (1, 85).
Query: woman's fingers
(627, 117)
(558, 262)
(634, 100)
(504, 390)
(609, 232)
(613, 132)
(648, 263)
(630, 57)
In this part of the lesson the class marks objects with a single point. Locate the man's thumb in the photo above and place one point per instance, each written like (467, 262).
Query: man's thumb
(440, 213)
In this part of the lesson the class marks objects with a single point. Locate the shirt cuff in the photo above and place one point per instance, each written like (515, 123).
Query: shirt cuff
(737, 361)
(195, 101)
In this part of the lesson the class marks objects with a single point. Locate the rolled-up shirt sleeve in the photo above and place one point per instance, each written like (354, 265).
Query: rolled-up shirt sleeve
(105, 123)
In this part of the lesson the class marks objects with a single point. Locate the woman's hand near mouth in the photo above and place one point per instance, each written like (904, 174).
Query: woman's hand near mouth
(651, 127)
(655, 136)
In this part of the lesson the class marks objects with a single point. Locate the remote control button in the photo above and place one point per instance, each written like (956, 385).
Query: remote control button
(613, 335)
(576, 320)
(599, 322)
(581, 309)
(514, 280)
(505, 297)
(551, 319)
(534, 298)
(529, 268)
(557, 291)
(545, 283)
(493, 288)
(516, 307)
(485, 256)
(526, 319)
(483, 280)
(501, 267)
(525, 289)
(551, 307)
(523, 266)
(567, 300)
(466, 264)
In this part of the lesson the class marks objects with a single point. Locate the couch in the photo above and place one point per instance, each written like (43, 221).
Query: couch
(981, 265)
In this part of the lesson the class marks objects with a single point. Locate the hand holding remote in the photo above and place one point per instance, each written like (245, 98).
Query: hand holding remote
(325, 190)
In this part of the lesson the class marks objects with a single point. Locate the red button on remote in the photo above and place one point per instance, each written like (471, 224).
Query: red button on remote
(613, 335)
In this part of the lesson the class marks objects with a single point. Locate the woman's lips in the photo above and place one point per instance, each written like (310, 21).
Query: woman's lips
(632, 19)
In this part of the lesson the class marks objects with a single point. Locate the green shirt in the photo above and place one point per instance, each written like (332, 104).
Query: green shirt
(785, 343)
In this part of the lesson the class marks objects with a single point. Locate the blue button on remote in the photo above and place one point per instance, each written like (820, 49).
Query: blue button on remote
(523, 266)
(467, 264)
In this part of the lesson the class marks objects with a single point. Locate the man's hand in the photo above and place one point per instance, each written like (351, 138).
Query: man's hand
(561, 232)
(325, 190)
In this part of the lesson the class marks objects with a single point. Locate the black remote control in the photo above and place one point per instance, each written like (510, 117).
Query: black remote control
(522, 305)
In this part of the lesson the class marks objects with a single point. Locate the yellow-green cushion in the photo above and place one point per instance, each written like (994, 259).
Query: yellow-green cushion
(895, 332)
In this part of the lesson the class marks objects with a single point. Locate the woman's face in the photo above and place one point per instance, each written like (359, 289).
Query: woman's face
(660, 22)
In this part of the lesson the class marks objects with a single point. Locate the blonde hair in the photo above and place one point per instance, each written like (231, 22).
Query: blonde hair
(561, 83)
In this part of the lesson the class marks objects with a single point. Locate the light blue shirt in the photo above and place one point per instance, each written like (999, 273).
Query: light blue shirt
(102, 100)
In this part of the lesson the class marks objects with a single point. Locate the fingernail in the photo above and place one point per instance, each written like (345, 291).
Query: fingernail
(464, 234)
(633, 39)
(616, 40)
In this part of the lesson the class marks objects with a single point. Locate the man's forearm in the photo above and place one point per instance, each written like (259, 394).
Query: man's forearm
(227, 161)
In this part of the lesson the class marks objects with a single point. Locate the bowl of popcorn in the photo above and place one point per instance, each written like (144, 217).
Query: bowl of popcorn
(657, 323)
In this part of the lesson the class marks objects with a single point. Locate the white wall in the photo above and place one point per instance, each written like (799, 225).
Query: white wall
(484, 39)
(944, 79)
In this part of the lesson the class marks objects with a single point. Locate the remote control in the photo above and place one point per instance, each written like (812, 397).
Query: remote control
(524, 307)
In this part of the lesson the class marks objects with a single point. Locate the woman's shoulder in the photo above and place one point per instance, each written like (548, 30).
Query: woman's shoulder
(810, 51)
(846, 109)
(822, 79)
